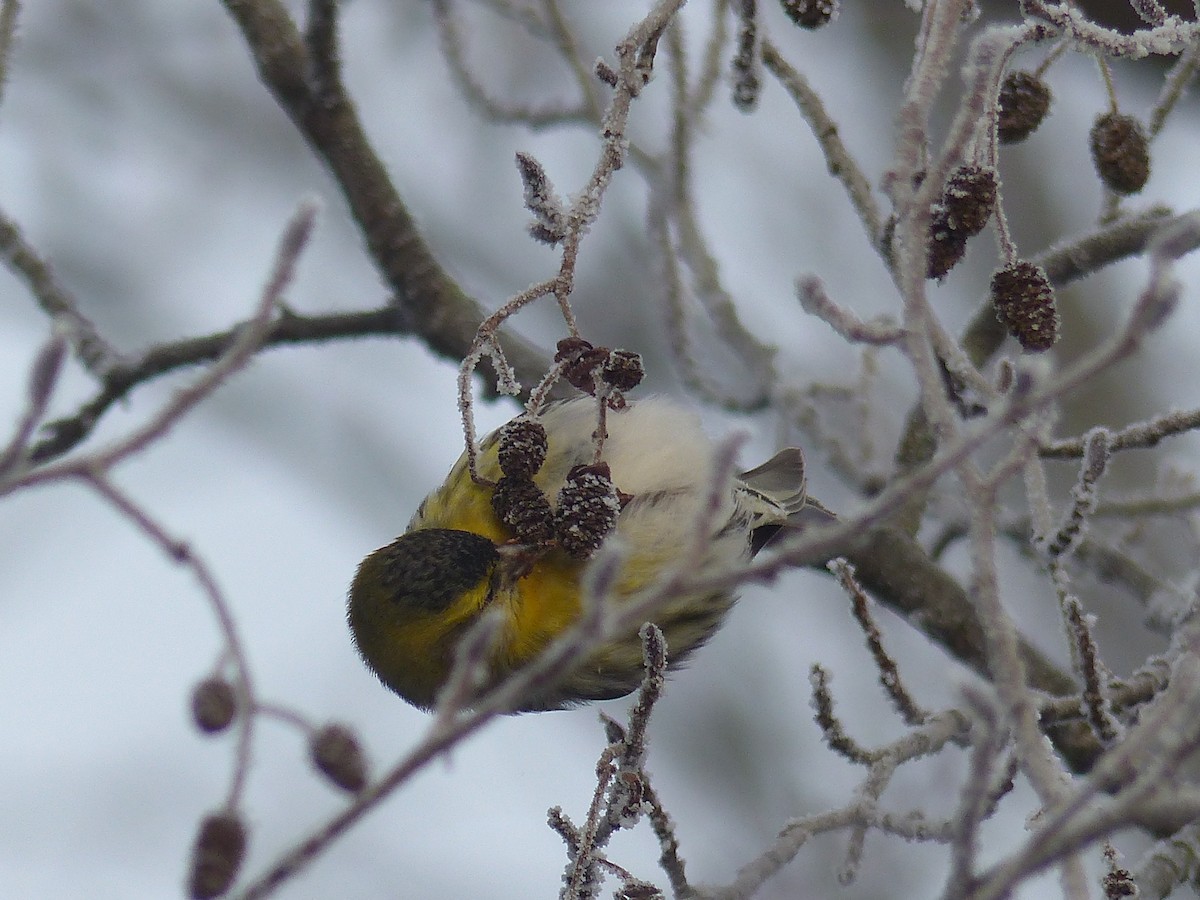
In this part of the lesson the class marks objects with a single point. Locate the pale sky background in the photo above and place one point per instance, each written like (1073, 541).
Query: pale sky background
(143, 158)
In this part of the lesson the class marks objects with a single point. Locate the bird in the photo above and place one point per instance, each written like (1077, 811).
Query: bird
(517, 534)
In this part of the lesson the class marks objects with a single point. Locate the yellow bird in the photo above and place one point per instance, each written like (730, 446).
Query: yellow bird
(519, 541)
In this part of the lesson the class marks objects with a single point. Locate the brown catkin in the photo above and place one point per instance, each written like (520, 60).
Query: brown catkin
(523, 507)
(214, 705)
(1023, 104)
(970, 197)
(1121, 152)
(580, 362)
(966, 204)
(335, 751)
(522, 447)
(623, 370)
(946, 248)
(587, 510)
(810, 13)
(1024, 302)
(217, 855)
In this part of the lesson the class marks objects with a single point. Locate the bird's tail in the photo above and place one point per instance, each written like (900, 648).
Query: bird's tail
(781, 490)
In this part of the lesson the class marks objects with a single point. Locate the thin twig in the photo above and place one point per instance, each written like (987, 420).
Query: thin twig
(838, 158)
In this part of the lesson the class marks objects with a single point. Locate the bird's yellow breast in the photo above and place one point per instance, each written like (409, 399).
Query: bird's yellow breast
(538, 605)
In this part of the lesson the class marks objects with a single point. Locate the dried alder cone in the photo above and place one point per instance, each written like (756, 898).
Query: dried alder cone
(523, 507)
(582, 363)
(1024, 301)
(522, 448)
(969, 198)
(810, 13)
(966, 204)
(217, 855)
(587, 510)
(517, 501)
(214, 705)
(623, 370)
(1024, 102)
(1121, 152)
(335, 751)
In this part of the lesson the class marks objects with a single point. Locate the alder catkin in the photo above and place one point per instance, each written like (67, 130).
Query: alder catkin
(335, 751)
(1023, 104)
(587, 510)
(217, 855)
(1024, 302)
(1121, 152)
